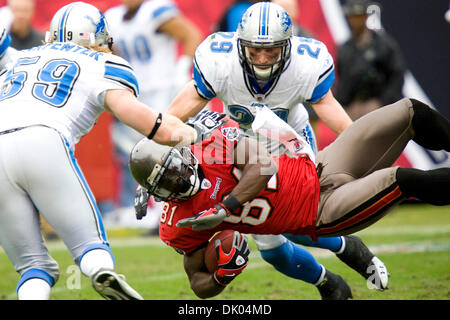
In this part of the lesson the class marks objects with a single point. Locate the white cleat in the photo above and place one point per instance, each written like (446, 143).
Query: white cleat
(113, 286)
(379, 276)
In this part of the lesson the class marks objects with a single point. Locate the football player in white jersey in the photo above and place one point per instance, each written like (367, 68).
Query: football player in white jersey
(50, 96)
(146, 34)
(262, 64)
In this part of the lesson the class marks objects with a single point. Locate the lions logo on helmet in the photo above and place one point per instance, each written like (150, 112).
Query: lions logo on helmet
(80, 23)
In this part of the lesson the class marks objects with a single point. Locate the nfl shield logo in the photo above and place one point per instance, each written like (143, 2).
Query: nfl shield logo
(230, 133)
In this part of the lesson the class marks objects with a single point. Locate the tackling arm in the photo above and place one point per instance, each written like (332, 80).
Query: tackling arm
(124, 105)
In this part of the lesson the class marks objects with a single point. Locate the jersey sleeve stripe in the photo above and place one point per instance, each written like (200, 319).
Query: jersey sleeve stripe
(204, 89)
(5, 42)
(323, 86)
(164, 9)
(122, 74)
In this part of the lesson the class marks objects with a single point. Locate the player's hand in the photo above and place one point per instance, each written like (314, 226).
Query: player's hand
(233, 263)
(141, 198)
(206, 219)
(205, 123)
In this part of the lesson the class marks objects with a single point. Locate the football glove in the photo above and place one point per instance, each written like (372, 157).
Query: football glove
(206, 219)
(205, 123)
(141, 198)
(233, 263)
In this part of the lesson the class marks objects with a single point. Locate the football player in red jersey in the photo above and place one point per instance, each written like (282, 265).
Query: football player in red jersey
(230, 182)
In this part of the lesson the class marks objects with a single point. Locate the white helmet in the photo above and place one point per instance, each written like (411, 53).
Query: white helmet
(264, 25)
(80, 23)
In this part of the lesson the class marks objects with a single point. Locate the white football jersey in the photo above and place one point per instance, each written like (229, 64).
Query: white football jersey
(60, 85)
(152, 54)
(218, 73)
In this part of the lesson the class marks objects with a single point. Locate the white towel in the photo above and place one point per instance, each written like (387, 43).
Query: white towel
(268, 124)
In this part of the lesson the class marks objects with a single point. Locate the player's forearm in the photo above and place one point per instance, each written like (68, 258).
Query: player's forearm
(257, 168)
(330, 111)
(253, 181)
(125, 107)
(204, 286)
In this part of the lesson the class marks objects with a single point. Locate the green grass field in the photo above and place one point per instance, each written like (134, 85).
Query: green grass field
(413, 242)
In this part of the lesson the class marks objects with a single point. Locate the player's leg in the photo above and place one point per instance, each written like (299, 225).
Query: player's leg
(353, 252)
(431, 129)
(68, 205)
(20, 232)
(356, 255)
(296, 262)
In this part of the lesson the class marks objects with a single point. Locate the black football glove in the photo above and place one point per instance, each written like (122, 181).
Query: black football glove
(141, 198)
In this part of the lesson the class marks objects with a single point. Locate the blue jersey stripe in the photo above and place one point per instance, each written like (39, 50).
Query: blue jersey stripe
(321, 89)
(122, 75)
(204, 89)
(162, 10)
(90, 195)
(5, 42)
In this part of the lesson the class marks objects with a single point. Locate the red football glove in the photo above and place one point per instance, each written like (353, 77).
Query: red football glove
(206, 219)
(233, 263)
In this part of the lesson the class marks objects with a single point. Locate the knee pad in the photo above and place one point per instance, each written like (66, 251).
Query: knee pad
(267, 242)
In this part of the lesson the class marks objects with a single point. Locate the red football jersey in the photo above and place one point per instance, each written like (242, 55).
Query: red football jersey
(288, 203)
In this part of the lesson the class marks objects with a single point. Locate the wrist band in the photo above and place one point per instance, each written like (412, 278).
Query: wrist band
(231, 203)
(156, 126)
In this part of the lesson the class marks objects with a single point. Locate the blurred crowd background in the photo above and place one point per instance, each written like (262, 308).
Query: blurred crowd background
(416, 48)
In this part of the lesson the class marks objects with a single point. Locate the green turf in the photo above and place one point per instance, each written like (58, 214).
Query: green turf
(413, 241)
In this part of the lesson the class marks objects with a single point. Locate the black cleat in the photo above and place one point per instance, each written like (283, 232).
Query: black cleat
(333, 287)
(358, 257)
(113, 286)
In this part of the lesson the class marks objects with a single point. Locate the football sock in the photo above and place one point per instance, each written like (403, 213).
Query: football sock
(432, 130)
(430, 186)
(95, 260)
(295, 262)
(335, 244)
(34, 289)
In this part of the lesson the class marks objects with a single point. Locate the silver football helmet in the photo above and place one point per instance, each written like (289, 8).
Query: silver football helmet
(264, 25)
(80, 23)
(168, 173)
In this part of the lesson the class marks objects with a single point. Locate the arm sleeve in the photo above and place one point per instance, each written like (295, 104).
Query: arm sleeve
(325, 74)
(163, 11)
(210, 68)
(7, 53)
